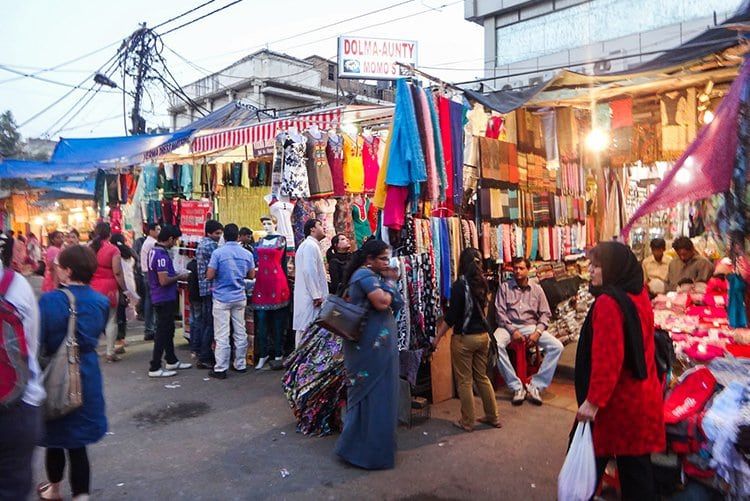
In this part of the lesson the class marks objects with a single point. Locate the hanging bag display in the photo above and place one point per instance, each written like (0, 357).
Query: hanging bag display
(62, 371)
(577, 479)
(341, 317)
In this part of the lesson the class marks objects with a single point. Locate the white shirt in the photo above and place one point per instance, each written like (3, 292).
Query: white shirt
(148, 244)
(309, 282)
(21, 296)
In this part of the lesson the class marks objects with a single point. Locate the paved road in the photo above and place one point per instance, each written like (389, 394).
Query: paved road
(193, 438)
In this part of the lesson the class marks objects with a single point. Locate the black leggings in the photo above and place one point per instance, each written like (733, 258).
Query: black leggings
(80, 475)
(636, 476)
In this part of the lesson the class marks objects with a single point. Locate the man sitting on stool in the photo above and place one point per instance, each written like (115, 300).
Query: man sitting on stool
(523, 313)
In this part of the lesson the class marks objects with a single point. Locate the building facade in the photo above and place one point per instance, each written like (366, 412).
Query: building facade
(527, 41)
(276, 83)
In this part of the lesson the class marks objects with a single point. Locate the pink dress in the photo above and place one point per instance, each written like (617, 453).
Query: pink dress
(50, 278)
(104, 280)
(271, 291)
(370, 161)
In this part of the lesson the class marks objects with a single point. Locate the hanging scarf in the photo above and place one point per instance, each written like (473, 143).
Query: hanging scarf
(621, 275)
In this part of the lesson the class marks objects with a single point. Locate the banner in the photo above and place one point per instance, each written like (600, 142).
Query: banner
(193, 216)
(374, 58)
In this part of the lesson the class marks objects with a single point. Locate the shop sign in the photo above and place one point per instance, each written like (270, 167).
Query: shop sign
(263, 148)
(193, 216)
(374, 58)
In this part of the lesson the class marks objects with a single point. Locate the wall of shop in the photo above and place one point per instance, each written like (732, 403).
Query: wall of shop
(524, 36)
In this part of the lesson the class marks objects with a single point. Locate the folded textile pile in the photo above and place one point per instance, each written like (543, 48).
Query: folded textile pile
(314, 382)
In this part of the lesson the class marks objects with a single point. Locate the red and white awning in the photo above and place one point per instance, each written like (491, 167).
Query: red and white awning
(263, 132)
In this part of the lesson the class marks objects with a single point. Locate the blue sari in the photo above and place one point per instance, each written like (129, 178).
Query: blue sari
(369, 436)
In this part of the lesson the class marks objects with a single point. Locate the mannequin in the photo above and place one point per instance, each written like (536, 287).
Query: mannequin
(281, 210)
(271, 293)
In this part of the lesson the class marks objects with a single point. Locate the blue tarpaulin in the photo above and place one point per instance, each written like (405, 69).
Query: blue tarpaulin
(81, 187)
(117, 149)
(30, 169)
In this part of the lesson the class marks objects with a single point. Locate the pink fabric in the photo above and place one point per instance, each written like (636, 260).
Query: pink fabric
(50, 278)
(711, 352)
(104, 281)
(394, 213)
(709, 170)
(370, 163)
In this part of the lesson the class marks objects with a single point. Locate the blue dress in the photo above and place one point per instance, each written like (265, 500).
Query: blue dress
(369, 436)
(89, 423)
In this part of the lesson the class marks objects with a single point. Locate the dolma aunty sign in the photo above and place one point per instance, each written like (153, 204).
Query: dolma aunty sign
(374, 58)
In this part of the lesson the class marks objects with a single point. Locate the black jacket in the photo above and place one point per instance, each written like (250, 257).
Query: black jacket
(337, 263)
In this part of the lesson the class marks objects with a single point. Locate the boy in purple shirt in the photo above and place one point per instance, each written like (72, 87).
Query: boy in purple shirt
(162, 281)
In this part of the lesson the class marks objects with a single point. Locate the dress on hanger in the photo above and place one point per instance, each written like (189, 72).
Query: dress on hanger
(294, 181)
(354, 169)
(318, 171)
(370, 162)
(362, 228)
(335, 156)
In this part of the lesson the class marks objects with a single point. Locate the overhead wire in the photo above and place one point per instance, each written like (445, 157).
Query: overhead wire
(183, 14)
(43, 79)
(201, 17)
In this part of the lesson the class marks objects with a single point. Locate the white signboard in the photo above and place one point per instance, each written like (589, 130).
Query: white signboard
(374, 58)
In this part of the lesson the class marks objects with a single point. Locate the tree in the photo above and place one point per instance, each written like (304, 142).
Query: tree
(10, 139)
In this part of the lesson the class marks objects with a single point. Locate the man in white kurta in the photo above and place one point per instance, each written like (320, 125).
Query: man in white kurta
(310, 282)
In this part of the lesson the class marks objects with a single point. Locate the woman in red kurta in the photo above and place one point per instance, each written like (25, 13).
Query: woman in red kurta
(616, 380)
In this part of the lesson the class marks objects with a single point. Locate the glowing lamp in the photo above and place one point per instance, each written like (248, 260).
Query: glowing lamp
(597, 140)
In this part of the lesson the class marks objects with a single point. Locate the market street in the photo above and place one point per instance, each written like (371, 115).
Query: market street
(191, 437)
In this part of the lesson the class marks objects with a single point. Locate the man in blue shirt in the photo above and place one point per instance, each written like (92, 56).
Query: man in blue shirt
(228, 268)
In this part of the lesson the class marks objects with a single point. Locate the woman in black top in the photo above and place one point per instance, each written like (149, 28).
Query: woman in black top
(338, 257)
(470, 343)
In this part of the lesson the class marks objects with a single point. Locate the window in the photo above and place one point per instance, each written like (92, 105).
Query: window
(331, 72)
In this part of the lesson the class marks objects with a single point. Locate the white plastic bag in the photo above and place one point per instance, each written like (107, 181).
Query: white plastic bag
(577, 479)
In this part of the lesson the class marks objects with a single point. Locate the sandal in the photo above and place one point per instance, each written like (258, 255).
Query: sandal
(458, 424)
(113, 358)
(41, 488)
(494, 424)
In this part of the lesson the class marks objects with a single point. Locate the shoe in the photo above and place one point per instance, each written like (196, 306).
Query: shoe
(277, 364)
(194, 355)
(148, 337)
(532, 394)
(202, 365)
(113, 358)
(119, 350)
(178, 366)
(461, 426)
(518, 397)
(261, 363)
(218, 375)
(161, 373)
(241, 371)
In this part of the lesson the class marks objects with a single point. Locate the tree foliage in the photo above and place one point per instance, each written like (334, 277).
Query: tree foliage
(11, 144)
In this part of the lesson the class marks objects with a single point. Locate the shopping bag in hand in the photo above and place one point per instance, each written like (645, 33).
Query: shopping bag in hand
(577, 479)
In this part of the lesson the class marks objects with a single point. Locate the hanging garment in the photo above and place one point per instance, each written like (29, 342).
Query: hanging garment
(489, 158)
(433, 187)
(444, 109)
(186, 180)
(549, 125)
(397, 199)
(370, 162)
(438, 140)
(362, 229)
(303, 211)
(736, 309)
(318, 171)
(342, 218)
(354, 169)
(458, 116)
(271, 291)
(294, 181)
(335, 156)
(245, 181)
(494, 124)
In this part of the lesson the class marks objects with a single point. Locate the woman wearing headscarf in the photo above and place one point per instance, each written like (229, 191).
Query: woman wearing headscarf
(616, 382)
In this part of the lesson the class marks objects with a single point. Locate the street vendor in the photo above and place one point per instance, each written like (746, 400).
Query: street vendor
(691, 267)
(656, 266)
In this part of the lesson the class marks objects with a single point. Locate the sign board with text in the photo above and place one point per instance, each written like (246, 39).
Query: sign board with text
(374, 58)
(193, 216)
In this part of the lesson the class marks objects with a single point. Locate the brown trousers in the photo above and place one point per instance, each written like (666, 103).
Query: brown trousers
(469, 359)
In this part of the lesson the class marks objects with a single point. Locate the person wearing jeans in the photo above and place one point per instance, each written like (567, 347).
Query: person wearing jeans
(523, 314)
(228, 268)
(163, 283)
(148, 311)
(206, 247)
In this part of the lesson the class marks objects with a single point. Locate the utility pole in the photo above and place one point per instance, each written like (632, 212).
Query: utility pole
(138, 122)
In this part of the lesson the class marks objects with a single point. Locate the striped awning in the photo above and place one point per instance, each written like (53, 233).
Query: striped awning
(265, 131)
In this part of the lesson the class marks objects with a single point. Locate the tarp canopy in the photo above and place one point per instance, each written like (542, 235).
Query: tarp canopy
(64, 195)
(117, 149)
(570, 86)
(31, 169)
(706, 166)
(80, 186)
(229, 116)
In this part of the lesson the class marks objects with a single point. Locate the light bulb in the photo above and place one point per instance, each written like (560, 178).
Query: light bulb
(597, 140)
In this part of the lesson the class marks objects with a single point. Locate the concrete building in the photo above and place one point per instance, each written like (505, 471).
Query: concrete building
(275, 83)
(526, 41)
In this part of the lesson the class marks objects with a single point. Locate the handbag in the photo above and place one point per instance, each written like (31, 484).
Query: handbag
(341, 317)
(62, 371)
